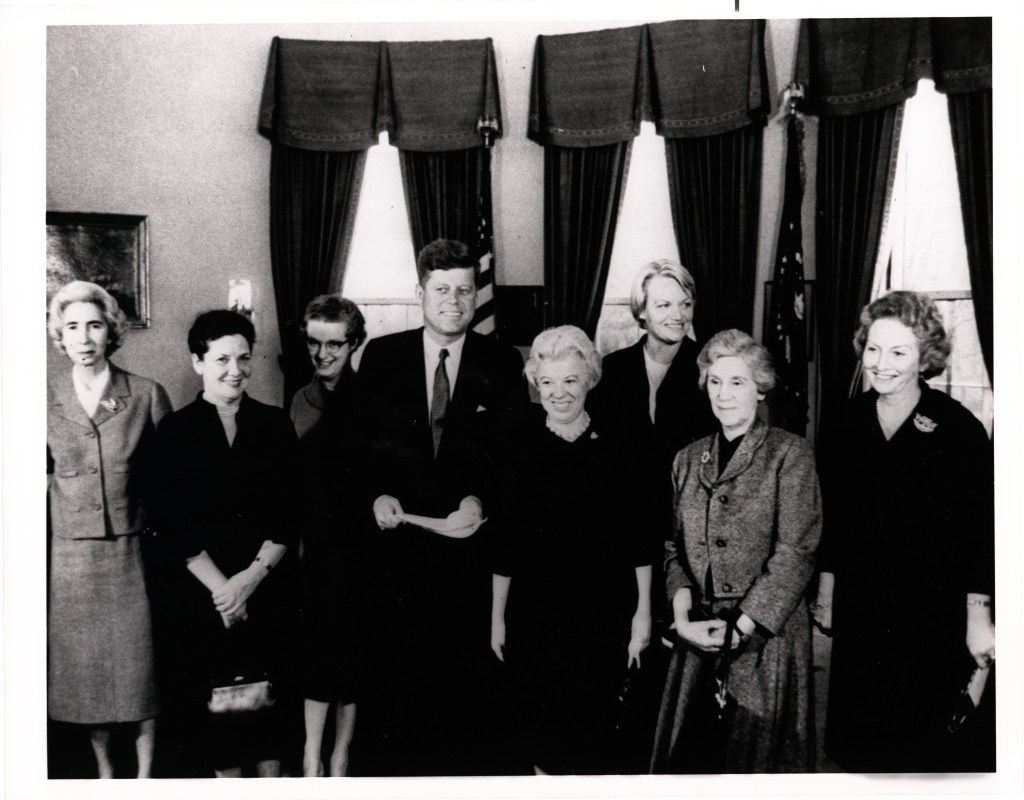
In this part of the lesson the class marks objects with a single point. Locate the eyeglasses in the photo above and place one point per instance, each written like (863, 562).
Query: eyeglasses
(332, 346)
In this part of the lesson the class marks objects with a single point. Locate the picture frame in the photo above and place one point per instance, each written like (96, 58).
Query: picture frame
(111, 250)
(809, 312)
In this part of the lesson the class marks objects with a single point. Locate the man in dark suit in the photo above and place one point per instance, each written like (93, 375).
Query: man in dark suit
(437, 404)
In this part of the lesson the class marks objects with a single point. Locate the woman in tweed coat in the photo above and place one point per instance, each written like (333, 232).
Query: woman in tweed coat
(747, 523)
(100, 426)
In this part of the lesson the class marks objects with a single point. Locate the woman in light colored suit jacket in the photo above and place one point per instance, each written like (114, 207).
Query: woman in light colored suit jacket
(100, 424)
(747, 524)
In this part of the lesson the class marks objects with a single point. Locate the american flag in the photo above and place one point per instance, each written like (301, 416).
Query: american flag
(787, 328)
(483, 322)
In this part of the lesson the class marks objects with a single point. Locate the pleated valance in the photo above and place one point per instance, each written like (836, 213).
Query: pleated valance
(709, 76)
(588, 89)
(691, 77)
(852, 66)
(338, 96)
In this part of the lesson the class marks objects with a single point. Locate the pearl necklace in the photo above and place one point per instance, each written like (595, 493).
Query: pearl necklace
(570, 431)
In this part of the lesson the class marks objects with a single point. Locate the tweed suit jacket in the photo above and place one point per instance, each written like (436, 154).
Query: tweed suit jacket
(757, 526)
(101, 467)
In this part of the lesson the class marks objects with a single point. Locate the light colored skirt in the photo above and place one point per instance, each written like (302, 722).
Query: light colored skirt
(100, 660)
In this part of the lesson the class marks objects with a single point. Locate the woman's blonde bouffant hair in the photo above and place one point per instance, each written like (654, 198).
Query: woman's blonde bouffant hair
(557, 344)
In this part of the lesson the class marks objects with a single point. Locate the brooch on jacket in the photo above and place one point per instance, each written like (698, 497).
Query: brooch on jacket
(705, 457)
(109, 404)
(923, 424)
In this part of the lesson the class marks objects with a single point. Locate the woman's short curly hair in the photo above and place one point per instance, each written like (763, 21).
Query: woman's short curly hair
(558, 344)
(335, 308)
(209, 326)
(735, 342)
(85, 292)
(663, 267)
(919, 313)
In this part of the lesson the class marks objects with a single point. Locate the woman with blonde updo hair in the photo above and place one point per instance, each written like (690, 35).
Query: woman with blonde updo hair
(575, 579)
(907, 568)
(100, 426)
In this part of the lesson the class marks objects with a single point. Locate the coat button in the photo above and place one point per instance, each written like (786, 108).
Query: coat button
(727, 587)
(719, 542)
(97, 507)
(93, 470)
(90, 435)
(723, 499)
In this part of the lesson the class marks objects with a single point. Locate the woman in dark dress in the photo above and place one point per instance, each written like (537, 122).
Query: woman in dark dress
(230, 493)
(748, 520)
(649, 400)
(907, 568)
(574, 576)
(100, 426)
(322, 413)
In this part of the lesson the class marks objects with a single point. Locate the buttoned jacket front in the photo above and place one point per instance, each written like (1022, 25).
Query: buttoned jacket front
(756, 526)
(99, 466)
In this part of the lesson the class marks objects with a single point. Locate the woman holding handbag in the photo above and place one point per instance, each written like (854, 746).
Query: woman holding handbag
(907, 566)
(747, 524)
(649, 400)
(229, 484)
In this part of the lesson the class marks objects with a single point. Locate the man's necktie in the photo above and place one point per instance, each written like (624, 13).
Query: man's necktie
(439, 400)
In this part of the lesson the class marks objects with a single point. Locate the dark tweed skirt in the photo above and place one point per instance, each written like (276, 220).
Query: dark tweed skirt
(768, 725)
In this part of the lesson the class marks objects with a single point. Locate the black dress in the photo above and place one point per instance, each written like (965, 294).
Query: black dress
(909, 532)
(333, 548)
(571, 554)
(620, 404)
(227, 500)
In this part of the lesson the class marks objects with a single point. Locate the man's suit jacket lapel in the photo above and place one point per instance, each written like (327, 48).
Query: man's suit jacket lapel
(412, 382)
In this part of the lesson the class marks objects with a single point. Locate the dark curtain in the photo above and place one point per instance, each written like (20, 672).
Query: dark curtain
(323, 104)
(715, 190)
(970, 117)
(857, 73)
(582, 192)
(855, 156)
(312, 207)
(442, 194)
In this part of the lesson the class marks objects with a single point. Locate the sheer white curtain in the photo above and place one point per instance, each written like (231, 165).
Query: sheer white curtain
(923, 246)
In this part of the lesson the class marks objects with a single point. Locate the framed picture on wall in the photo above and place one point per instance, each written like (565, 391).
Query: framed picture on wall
(111, 250)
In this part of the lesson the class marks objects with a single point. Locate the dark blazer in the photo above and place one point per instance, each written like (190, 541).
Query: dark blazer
(489, 396)
(99, 465)
(621, 401)
(427, 697)
(620, 406)
(757, 525)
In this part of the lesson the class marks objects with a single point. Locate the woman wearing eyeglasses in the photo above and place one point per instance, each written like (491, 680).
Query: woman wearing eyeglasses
(321, 411)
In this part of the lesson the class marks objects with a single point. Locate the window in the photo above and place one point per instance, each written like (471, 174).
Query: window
(923, 245)
(381, 272)
(644, 232)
